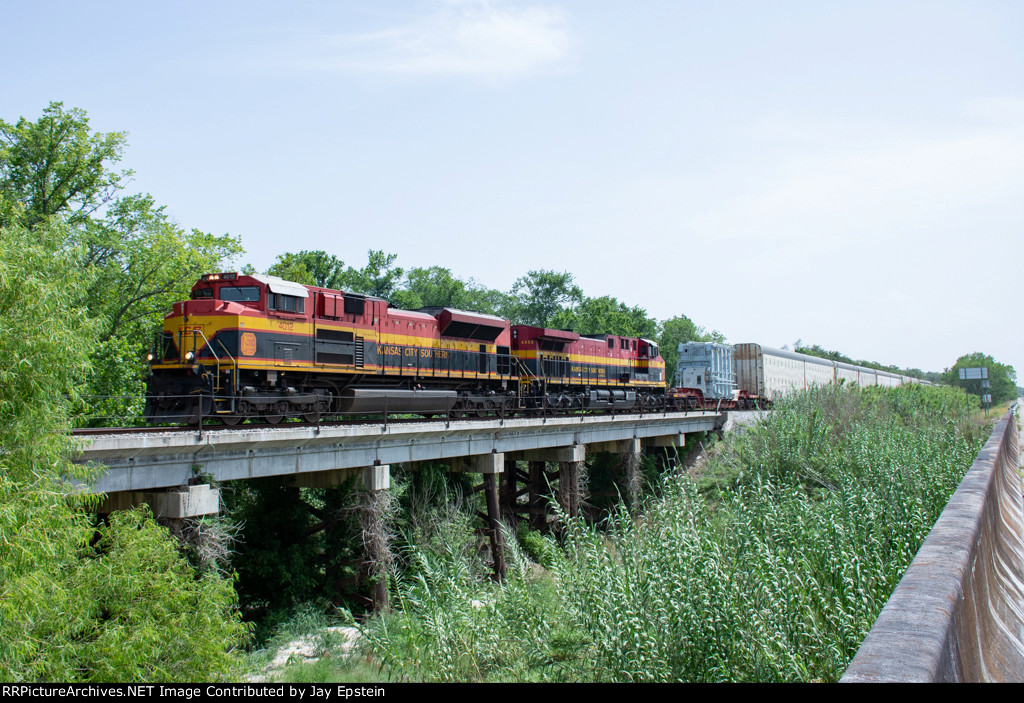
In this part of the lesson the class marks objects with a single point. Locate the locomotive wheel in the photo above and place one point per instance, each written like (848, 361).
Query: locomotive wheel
(275, 416)
(231, 420)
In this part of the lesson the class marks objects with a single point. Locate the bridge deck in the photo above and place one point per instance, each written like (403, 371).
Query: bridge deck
(149, 461)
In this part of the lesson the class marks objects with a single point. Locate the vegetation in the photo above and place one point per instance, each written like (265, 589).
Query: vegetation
(134, 260)
(772, 569)
(1002, 378)
(81, 601)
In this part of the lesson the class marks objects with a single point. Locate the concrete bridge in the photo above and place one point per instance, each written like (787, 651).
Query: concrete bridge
(171, 471)
(163, 468)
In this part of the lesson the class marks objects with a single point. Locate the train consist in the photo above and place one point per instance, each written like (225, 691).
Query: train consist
(253, 346)
(259, 347)
(750, 375)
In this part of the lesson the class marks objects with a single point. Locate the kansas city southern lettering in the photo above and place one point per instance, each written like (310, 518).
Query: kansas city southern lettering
(391, 350)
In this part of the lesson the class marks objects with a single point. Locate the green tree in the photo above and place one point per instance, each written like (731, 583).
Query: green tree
(142, 262)
(605, 315)
(380, 277)
(56, 166)
(81, 602)
(539, 295)
(1002, 377)
(136, 260)
(437, 286)
(139, 263)
(312, 268)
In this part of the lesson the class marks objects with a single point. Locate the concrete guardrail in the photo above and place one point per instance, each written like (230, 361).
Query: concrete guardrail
(958, 612)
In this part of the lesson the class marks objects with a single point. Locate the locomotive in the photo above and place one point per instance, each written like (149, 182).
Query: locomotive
(258, 346)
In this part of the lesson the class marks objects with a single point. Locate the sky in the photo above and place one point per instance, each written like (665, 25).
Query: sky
(848, 174)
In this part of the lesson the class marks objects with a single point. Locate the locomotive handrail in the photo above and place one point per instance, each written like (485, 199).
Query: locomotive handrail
(234, 372)
(524, 371)
(216, 383)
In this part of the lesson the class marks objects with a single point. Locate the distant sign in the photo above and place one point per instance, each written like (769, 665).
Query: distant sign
(986, 399)
(968, 374)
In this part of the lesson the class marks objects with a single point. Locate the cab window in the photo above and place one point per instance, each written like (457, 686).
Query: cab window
(287, 303)
(240, 294)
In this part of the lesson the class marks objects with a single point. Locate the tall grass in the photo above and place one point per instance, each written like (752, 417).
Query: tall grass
(775, 575)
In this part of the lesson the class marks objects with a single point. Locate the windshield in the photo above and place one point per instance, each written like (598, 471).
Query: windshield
(240, 294)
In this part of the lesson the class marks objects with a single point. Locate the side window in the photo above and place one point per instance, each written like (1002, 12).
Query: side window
(287, 303)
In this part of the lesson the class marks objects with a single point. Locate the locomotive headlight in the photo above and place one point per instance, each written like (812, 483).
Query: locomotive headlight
(189, 356)
(149, 357)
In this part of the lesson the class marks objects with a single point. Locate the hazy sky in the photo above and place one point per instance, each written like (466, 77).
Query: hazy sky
(847, 173)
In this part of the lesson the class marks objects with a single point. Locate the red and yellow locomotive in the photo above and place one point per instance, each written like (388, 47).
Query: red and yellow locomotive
(254, 346)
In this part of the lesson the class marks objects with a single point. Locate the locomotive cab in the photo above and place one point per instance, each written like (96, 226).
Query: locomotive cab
(207, 339)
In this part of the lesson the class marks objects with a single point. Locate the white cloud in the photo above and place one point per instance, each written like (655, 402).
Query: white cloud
(458, 38)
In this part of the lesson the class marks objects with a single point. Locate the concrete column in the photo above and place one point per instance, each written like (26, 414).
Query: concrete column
(179, 503)
(488, 465)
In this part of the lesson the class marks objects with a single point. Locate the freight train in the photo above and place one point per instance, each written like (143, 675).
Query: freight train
(257, 346)
(749, 375)
(260, 347)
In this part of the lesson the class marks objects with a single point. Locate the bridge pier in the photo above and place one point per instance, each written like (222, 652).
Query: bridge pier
(373, 509)
(327, 456)
(508, 496)
(627, 476)
(177, 503)
(489, 465)
(377, 543)
(538, 480)
(570, 494)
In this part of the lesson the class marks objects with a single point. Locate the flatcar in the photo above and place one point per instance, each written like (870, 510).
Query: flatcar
(705, 378)
(257, 346)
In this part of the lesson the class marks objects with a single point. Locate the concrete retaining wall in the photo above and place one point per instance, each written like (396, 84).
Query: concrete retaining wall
(958, 613)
